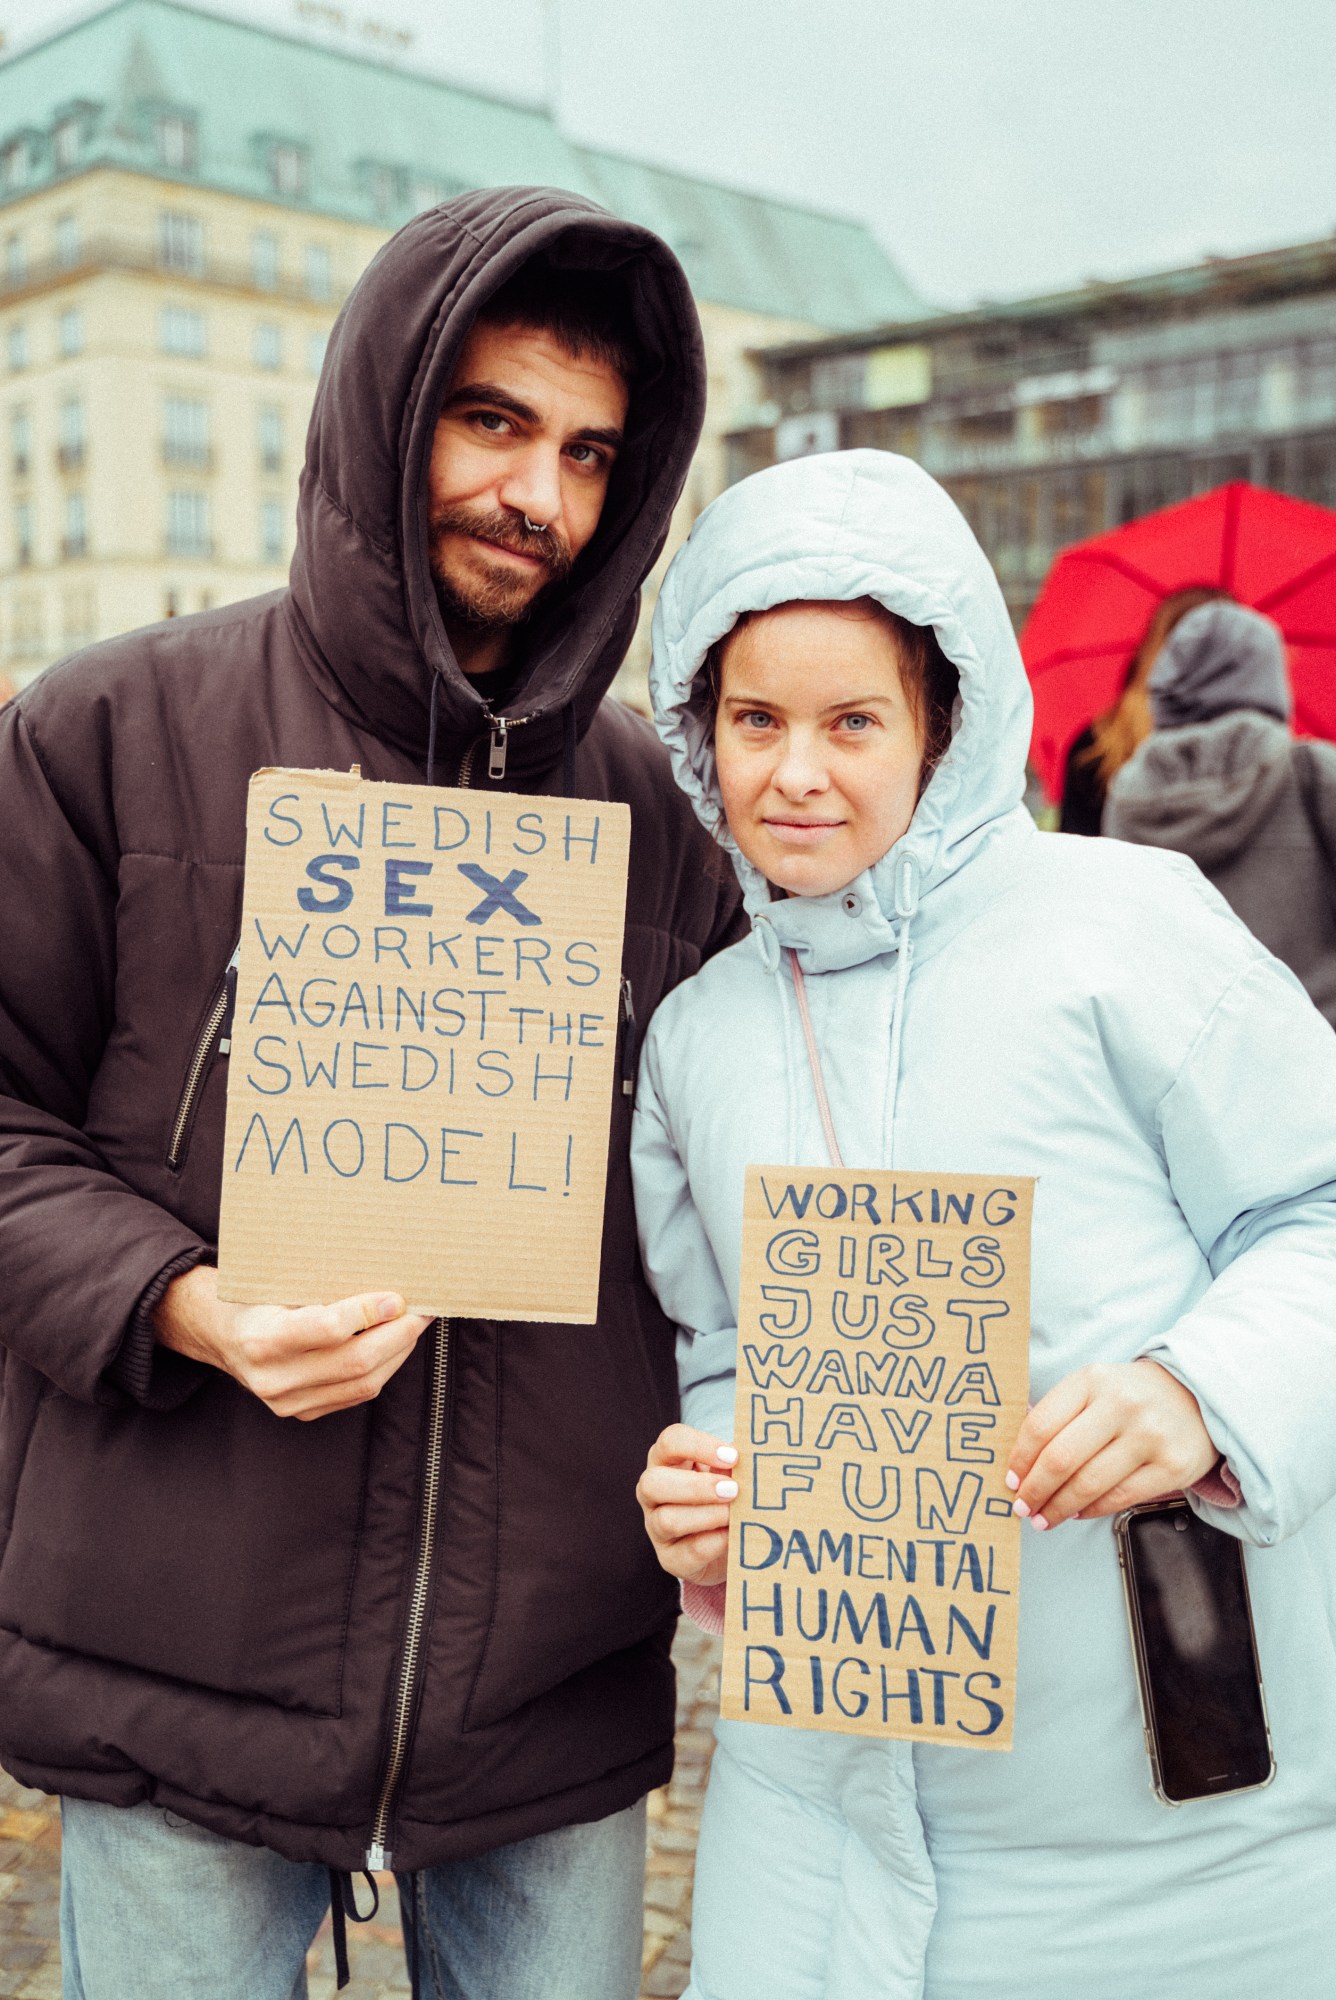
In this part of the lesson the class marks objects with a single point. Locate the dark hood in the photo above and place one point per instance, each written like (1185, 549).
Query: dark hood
(1220, 658)
(362, 605)
(1204, 790)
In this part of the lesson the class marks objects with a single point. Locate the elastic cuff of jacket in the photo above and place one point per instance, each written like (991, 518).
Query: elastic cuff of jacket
(151, 1375)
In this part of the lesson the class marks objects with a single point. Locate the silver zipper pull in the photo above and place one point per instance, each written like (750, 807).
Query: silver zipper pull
(230, 983)
(496, 761)
(377, 1860)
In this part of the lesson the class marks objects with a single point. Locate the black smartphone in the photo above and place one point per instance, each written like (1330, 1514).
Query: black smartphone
(1196, 1654)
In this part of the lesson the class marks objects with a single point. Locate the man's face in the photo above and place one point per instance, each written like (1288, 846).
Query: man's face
(527, 433)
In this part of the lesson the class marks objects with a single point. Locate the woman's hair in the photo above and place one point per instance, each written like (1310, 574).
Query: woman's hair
(930, 682)
(1120, 729)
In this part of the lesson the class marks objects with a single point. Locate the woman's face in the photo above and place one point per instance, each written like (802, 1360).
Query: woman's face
(817, 748)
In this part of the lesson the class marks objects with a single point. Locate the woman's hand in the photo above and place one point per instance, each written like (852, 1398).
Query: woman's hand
(686, 1490)
(1106, 1438)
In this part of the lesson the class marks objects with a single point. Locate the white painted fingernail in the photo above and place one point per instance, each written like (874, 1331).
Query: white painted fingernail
(727, 1489)
(1021, 1507)
(727, 1454)
(1013, 1480)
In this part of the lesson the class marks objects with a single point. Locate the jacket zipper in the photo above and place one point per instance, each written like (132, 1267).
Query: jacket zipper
(499, 728)
(379, 1855)
(630, 1039)
(217, 1023)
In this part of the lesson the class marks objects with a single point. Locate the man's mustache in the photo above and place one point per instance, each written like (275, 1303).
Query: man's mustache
(507, 531)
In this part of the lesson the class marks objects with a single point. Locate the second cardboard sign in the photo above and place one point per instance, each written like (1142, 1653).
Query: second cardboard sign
(883, 1365)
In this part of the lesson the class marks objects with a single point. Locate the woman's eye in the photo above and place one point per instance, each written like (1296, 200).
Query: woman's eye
(754, 718)
(857, 725)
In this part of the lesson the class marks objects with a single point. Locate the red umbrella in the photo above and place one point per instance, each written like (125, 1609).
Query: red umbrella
(1262, 548)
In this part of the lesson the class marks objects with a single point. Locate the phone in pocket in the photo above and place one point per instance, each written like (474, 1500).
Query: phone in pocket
(1196, 1653)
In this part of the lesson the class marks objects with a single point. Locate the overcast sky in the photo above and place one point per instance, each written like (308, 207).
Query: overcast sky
(995, 146)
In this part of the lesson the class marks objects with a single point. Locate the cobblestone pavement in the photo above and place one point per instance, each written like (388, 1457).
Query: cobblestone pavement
(30, 1872)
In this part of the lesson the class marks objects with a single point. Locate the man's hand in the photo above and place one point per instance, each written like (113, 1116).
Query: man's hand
(1106, 1438)
(302, 1361)
(685, 1491)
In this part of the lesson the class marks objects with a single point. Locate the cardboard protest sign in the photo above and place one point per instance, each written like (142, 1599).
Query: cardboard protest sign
(423, 1047)
(883, 1366)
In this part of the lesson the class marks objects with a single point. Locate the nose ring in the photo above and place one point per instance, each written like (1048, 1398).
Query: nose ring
(535, 527)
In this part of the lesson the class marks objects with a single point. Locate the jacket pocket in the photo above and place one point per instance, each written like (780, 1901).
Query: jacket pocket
(212, 1038)
(215, 1544)
(575, 1578)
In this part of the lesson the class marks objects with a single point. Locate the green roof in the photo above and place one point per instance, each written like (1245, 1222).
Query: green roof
(373, 142)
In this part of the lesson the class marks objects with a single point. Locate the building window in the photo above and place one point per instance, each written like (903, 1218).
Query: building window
(287, 170)
(176, 142)
(181, 243)
(16, 347)
(16, 262)
(28, 626)
(78, 621)
(181, 331)
(20, 442)
(319, 282)
(188, 524)
(67, 144)
(316, 343)
(16, 165)
(185, 432)
(424, 194)
(74, 542)
(271, 531)
(70, 333)
(1315, 378)
(23, 533)
(68, 246)
(268, 345)
(384, 186)
(73, 440)
(271, 438)
(264, 260)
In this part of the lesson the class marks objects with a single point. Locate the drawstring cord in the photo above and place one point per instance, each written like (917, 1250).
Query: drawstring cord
(342, 1907)
(568, 743)
(906, 904)
(814, 1059)
(431, 729)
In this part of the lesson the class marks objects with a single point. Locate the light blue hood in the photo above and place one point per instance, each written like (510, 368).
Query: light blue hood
(883, 529)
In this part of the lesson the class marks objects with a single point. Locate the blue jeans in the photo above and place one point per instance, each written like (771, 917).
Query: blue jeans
(152, 1908)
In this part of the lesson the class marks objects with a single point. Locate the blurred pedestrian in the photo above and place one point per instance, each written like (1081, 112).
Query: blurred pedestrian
(1223, 780)
(1105, 745)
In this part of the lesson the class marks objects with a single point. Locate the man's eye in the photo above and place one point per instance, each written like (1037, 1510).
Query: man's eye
(491, 420)
(587, 455)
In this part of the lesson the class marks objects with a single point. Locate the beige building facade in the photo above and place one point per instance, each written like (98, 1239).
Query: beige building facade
(172, 259)
(159, 349)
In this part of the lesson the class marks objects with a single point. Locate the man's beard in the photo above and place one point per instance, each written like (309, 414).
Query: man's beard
(498, 597)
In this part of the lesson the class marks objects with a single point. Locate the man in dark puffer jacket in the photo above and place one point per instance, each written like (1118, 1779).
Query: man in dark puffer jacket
(421, 1629)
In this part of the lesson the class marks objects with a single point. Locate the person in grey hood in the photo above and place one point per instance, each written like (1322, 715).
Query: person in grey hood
(1223, 780)
(290, 1594)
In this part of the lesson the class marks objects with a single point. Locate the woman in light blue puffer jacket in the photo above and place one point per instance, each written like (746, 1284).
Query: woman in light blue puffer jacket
(987, 999)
